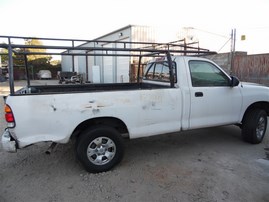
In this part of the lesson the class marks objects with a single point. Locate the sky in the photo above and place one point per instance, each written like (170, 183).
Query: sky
(208, 21)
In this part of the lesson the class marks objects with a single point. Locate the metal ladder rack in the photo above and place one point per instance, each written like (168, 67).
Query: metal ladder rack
(78, 47)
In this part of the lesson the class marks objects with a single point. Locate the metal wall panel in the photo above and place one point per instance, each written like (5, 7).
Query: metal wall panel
(111, 69)
(107, 67)
(66, 63)
(122, 66)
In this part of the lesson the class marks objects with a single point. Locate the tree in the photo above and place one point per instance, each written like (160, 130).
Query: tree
(4, 55)
(35, 61)
(36, 42)
(17, 58)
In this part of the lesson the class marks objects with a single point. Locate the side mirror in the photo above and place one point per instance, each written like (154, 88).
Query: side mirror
(234, 81)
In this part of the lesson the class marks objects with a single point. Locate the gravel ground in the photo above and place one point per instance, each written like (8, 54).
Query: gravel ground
(200, 165)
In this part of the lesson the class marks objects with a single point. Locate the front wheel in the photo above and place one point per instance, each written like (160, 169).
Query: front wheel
(99, 149)
(254, 126)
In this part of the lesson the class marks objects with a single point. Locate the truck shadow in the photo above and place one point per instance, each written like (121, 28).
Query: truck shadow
(183, 146)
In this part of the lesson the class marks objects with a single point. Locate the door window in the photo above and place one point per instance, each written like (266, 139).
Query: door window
(205, 74)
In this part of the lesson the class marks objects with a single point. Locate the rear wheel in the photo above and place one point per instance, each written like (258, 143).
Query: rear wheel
(99, 149)
(254, 126)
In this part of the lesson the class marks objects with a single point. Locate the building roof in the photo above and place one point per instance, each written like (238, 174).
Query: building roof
(118, 30)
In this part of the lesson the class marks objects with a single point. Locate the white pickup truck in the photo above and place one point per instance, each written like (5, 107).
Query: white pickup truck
(176, 93)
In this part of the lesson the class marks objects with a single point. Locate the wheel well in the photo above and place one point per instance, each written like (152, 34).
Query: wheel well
(116, 123)
(258, 105)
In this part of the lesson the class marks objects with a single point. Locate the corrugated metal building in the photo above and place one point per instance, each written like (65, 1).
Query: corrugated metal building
(109, 69)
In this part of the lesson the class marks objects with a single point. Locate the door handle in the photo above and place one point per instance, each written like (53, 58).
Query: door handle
(199, 94)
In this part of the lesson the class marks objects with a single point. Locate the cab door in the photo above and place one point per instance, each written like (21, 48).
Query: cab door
(213, 100)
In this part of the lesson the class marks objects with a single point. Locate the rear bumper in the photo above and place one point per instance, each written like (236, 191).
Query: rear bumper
(8, 143)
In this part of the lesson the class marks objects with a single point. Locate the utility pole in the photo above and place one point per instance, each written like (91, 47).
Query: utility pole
(233, 39)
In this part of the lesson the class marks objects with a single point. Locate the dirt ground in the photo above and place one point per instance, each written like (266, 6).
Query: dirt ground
(200, 165)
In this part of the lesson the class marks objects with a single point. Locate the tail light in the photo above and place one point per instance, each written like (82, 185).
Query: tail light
(9, 117)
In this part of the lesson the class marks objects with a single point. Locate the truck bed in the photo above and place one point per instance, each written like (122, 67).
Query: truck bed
(84, 88)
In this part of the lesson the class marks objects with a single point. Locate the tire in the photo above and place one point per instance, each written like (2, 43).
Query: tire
(99, 149)
(254, 126)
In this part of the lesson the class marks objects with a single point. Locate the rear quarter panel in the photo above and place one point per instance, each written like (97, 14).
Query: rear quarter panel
(54, 117)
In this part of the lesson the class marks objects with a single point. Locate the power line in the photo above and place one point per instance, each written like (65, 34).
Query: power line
(223, 36)
(224, 45)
